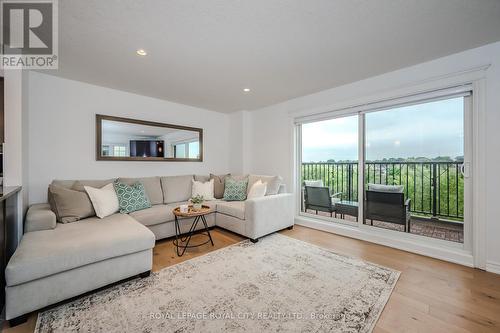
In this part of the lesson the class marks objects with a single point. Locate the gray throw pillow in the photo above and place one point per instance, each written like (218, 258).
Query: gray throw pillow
(69, 205)
(219, 182)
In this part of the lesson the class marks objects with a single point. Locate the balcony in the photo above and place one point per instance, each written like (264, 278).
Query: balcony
(435, 188)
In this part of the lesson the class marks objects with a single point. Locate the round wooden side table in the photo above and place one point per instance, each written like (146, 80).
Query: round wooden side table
(199, 215)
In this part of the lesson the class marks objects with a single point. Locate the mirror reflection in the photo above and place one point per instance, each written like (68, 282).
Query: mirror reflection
(128, 139)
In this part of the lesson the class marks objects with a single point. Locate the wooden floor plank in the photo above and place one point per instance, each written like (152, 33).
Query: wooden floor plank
(430, 296)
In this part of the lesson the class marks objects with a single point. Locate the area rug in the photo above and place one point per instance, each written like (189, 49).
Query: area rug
(279, 284)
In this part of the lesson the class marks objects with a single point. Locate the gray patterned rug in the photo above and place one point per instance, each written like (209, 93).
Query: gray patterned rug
(277, 284)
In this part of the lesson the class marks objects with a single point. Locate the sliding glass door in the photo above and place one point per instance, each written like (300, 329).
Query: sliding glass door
(414, 158)
(329, 169)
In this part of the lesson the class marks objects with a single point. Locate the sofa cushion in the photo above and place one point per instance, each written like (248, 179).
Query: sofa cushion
(386, 188)
(313, 183)
(159, 214)
(70, 205)
(155, 215)
(40, 217)
(273, 183)
(176, 188)
(212, 204)
(63, 183)
(72, 245)
(232, 208)
(79, 185)
(152, 186)
(201, 178)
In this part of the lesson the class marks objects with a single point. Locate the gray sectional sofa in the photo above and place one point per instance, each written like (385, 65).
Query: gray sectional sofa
(57, 261)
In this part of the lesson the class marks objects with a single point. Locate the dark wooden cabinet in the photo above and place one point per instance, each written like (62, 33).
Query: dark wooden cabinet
(8, 222)
(2, 135)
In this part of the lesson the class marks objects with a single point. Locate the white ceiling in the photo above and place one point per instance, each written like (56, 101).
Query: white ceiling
(204, 52)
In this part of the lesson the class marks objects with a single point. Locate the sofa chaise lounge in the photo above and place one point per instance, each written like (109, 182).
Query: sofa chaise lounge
(56, 261)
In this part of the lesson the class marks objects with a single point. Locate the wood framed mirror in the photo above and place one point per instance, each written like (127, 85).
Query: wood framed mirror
(125, 139)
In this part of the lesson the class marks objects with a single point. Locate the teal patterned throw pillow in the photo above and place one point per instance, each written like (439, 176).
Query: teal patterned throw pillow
(131, 197)
(235, 190)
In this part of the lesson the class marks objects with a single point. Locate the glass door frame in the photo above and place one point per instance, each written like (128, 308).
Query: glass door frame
(468, 161)
(298, 176)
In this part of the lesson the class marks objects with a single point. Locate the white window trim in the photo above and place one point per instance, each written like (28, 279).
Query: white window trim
(474, 78)
(186, 143)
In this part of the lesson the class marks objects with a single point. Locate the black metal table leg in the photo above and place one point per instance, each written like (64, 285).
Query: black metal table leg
(206, 228)
(181, 249)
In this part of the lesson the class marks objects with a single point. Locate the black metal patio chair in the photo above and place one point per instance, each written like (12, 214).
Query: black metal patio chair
(319, 199)
(388, 207)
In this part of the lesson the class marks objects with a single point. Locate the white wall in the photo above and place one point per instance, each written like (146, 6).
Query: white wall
(62, 133)
(271, 137)
(239, 143)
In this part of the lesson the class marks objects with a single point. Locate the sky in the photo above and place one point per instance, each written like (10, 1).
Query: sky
(425, 130)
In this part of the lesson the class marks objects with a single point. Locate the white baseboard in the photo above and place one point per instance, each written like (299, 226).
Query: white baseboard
(493, 267)
(406, 242)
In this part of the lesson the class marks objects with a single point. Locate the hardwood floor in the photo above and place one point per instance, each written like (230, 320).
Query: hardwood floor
(430, 296)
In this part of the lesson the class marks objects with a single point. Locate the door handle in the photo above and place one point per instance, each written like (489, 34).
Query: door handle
(465, 169)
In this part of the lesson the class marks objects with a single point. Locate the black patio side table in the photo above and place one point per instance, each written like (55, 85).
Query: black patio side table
(345, 207)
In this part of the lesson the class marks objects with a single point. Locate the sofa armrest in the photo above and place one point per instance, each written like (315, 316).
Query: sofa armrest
(40, 217)
(268, 214)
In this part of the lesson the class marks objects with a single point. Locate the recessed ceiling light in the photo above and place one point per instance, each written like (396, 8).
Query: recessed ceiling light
(141, 52)
(246, 89)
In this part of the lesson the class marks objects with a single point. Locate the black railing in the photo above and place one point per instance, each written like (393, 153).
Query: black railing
(435, 188)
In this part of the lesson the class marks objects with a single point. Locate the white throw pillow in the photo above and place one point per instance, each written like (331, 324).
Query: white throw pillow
(257, 190)
(206, 189)
(104, 200)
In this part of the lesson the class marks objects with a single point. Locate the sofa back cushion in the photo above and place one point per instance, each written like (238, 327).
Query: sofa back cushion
(273, 183)
(201, 178)
(79, 185)
(152, 185)
(69, 205)
(386, 188)
(176, 188)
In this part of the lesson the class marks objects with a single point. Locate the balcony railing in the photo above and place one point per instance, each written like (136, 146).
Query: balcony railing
(435, 188)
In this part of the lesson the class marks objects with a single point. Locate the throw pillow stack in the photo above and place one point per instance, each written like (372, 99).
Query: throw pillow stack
(96, 198)
(118, 197)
